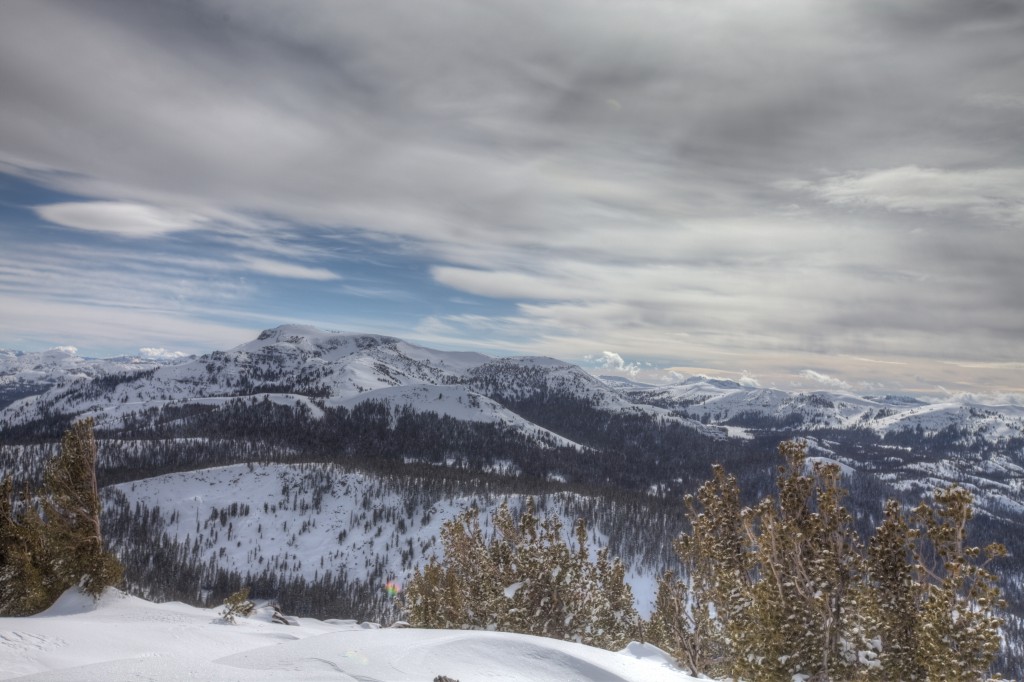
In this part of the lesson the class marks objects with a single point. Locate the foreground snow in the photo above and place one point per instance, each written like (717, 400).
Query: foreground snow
(122, 637)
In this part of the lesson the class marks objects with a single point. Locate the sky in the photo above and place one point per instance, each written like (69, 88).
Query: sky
(794, 193)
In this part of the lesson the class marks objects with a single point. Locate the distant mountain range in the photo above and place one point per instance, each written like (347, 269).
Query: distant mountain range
(300, 364)
(900, 438)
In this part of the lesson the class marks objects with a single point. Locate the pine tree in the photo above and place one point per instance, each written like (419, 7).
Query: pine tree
(525, 578)
(434, 598)
(794, 592)
(722, 574)
(896, 596)
(24, 587)
(682, 624)
(959, 634)
(51, 540)
(811, 564)
(71, 508)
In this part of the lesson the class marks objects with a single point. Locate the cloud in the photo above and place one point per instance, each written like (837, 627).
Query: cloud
(103, 328)
(162, 353)
(789, 183)
(66, 349)
(290, 270)
(613, 361)
(999, 100)
(748, 381)
(1003, 366)
(123, 219)
(994, 193)
(825, 379)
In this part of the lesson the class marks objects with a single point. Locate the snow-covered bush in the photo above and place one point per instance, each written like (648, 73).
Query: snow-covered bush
(236, 605)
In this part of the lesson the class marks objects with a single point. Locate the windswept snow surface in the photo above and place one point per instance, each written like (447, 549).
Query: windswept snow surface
(125, 638)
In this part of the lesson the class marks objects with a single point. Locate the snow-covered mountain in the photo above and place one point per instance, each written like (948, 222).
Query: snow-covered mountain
(303, 365)
(728, 403)
(547, 402)
(290, 360)
(23, 374)
(295, 364)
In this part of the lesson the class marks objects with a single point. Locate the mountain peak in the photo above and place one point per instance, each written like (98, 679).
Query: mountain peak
(309, 336)
(291, 330)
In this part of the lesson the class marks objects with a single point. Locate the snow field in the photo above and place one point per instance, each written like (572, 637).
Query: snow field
(125, 638)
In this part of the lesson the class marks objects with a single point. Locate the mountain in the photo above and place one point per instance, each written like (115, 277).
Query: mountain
(728, 403)
(299, 365)
(501, 408)
(24, 374)
(295, 364)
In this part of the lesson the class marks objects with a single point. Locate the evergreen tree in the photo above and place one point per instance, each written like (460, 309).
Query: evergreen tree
(958, 634)
(71, 508)
(717, 556)
(43, 554)
(23, 563)
(794, 592)
(897, 595)
(682, 624)
(525, 578)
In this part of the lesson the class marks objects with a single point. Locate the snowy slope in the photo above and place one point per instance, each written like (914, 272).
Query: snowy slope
(455, 401)
(306, 520)
(125, 638)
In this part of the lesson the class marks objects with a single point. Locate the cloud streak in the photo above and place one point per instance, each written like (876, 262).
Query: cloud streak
(289, 270)
(124, 219)
(993, 193)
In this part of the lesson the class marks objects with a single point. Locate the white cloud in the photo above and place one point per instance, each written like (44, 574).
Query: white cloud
(998, 100)
(748, 380)
(66, 349)
(825, 379)
(103, 329)
(290, 270)
(161, 353)
(1006, 366)
(121, 218)
(610, 360)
